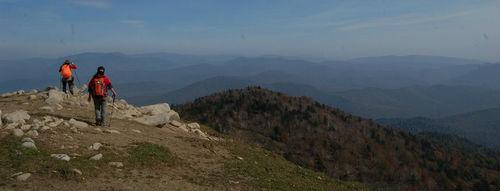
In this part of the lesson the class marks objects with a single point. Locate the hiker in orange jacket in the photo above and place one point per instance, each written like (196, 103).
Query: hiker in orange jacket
(67, 75)
(98, 91)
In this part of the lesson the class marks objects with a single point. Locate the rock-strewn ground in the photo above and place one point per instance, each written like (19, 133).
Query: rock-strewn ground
(48, 142)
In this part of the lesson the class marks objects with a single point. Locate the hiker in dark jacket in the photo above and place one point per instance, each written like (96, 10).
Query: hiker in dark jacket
(98, 91)
(67, 75)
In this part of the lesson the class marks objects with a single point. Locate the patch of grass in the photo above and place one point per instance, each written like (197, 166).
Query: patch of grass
(264, 170)
(148, 154)
(15, 158)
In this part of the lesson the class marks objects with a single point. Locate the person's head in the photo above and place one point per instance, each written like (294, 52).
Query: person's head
(67, 62)
(101, 70)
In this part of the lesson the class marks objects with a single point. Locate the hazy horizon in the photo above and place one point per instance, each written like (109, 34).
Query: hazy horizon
(319, 29)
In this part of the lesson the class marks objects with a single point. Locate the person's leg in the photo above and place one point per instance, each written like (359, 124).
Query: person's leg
(71, 84)
(97, 107)
(64, 82)
(103, 111)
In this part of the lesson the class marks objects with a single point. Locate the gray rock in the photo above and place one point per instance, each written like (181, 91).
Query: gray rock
(176, 123)
(25, 127)
(17, 132)
(19, 116)
(29, 145)
(158, 119)
(55, 97)
(95, 146)
(96, 157)
(155, 109)
(116, 164)
(78, 124)
(27, 139)
(63, 157)
(23, 177)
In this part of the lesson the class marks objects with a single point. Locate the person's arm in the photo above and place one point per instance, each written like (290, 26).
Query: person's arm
(110, 86)
(73, 66)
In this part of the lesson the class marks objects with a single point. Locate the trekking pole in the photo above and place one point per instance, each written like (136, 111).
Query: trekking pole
(112, 110)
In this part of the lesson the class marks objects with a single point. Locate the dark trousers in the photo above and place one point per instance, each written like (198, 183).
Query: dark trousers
(100, 109)
(69, 82)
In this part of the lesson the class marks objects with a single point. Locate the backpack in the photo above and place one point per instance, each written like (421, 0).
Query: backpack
(99, 87)
(66, 71)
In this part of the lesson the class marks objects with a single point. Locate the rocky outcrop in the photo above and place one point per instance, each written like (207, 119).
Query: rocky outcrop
(55, 97)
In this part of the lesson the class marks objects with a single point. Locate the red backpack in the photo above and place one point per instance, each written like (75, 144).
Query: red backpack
(99, 87)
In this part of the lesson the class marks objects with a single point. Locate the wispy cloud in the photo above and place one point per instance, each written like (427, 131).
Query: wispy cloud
(134, 23)
(100, 4)
(403, 20)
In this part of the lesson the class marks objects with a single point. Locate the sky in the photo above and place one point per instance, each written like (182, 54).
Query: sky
(332, 29)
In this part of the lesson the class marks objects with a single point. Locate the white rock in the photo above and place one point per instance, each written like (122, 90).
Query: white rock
(155, 109)
(29, 145)
(20, 92)
(116, 164)
(17, 132)
(32, 97)
(32, 133)
(55, 97)
(19, 116)
(47, 108)
(45, 128)
(112, 131)
(76, 171)
(63, 157)
(27, 139)
(95, 146)
(78, 124)
(96, 157)
(23, 177)
(135, 131)
(25, 127)
(176, 123)
(194, 126)
(159, 119)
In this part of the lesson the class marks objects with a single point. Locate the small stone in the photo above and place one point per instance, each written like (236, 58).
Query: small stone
(112, 131)
(95, 146)
(32, 133)
(96, 157)
(27, 139)
(29, 145)
(74, 130)
(16, 174)
(78, 124)
(135, 131)
(116, 164)
(76, 171)
(175, 123)
(240, 158)
(63, 157)
(23, 177)
(47, 109)
(25, 127)
(98, 130)
(17, 132)
(45, 128)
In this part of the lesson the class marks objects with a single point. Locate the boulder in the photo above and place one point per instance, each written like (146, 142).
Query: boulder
(158, 119)
(155, 109)
(96, 157)
(78, 124)
(17, 132)
(19, 116)
(63, 157)
(55, 97)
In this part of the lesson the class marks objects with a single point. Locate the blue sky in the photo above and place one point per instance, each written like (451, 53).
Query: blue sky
(334, 29)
